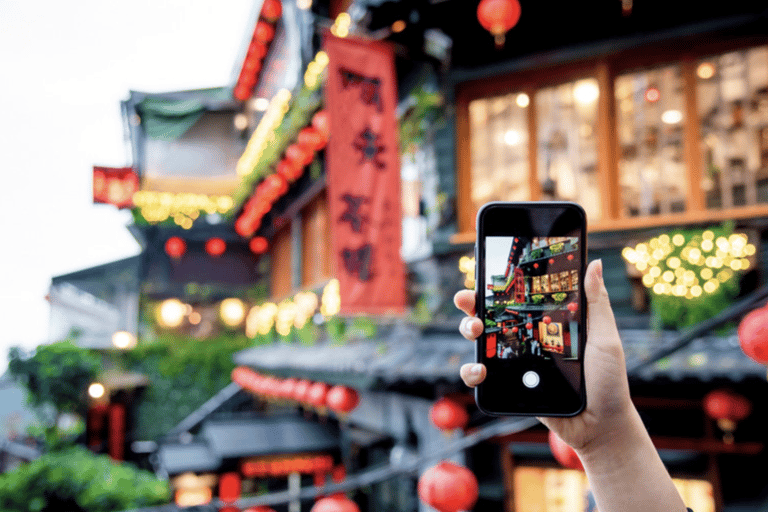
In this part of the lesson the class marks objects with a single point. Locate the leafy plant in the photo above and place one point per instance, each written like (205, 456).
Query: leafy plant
(426, 111)
(559, 297)
(537, 299)
(537, 253)
(77, 480)
(557, 248)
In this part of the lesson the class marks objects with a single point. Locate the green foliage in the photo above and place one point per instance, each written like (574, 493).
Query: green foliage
(57, 374)
(489, 323)
(77, 480)
(537, 253)
(557, 248)
(183, 373)
(537, 299)
(559, 297)
(426, 111)
(336, 328)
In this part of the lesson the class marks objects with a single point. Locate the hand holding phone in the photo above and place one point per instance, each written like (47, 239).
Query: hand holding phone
(530, 278)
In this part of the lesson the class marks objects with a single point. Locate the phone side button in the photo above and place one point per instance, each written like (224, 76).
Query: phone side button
(531, 379)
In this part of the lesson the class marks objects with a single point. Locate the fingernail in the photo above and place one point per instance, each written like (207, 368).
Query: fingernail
(464, 327)
(476, 370)
(600, 269)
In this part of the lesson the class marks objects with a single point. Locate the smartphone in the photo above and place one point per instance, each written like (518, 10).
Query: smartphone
(531, 260)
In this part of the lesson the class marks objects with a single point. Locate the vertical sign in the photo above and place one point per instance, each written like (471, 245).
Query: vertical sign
(364, 176)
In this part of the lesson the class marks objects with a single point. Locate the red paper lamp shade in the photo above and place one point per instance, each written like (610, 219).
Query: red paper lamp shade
(547, 319)
(311, 138)
(259, 509)
(242, 92)
(317, 393)
(335, 503)
(722, 404)
(215, 246)
(300, 390)
(256, 50)
(753, 335)
(498, 16)
(229, 487)
(563, 453)
(448, 487)
(264, 32)
(175, 247)
(322, 123)
(572, 307)
(271, 10)
(342, 399)
(286, 388)
(446, 414)
(258, 245)
(290, 170)
(271, 386)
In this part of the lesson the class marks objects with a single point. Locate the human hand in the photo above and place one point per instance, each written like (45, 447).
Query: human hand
(609, 408)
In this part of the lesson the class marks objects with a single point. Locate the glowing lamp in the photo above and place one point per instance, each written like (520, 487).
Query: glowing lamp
(572, 307)
(317, 393)
(342, 399)
(448, 487)
(123, 340)
(311, 138)
(96, 390)
(300, 154)
(232, 311)
(215, 246)
(175, 247)
(290, 170)
(258, 245)
(722, 404)
(652, 95)
(446, 414)
(286, 388)
(753, 335)
(171, 313)
(335, 503)
(529, 326)
(322, 123)
(563, 453)
(497, 17)
(300, 390)
(547, 320)
(229, 487)
(264, 32)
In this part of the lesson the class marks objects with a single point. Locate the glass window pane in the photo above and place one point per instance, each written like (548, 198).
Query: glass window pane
(567, 139)
(499, 149)
(732, 92)
(650, 110)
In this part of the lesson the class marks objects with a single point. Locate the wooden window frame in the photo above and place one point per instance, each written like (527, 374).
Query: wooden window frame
(605, 69)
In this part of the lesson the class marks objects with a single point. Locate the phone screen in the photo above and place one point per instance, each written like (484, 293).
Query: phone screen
(531, 260)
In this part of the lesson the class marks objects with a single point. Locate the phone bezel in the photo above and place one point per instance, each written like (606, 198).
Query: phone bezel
(574, 404)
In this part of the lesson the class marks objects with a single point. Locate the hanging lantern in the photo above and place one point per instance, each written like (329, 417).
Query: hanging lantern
(229, 487)
(290, 170)
(515, 329)
(572, 307)
(322, 123)
(286, 388)
(175, 247)
(335, 503)
(316, 395)
(302, 155)
(446, 414)
(271, 10)
(547, 320)
(258, 245)
(256, 50)
(727, 408)
(504, 330)
(262, 508)
(271, 386)
(264, 32)
(242, 92)
(311, 138)
(300, 390)
(448, 487)
(563, 453)
(497, 17)
(753, 335)
(529, 326)
(342, 399)
(215, 246)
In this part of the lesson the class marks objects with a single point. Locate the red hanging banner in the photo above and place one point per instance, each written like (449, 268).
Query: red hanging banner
(363, 167)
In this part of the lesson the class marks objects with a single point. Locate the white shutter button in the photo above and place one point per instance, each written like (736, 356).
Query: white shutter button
(531, 379)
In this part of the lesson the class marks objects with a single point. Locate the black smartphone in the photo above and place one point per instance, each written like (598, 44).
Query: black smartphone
(531, 260)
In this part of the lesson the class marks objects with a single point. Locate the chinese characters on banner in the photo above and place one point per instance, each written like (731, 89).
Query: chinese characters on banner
(115, 185)
(364, 176)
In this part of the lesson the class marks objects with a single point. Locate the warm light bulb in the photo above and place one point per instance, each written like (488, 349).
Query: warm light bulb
(522, 100)
(706, 70)
(171, 313)
(232, 311)
(123, 340)
(96, 390)
(586, 91)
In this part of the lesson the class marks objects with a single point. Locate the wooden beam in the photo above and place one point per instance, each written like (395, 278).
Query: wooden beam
(694, 164)
(534, 185)
(607, 143)
(465, 209)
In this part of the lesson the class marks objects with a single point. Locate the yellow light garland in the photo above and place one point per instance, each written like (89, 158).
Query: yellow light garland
(261, 137)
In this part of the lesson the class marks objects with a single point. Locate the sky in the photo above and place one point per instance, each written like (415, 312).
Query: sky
(64, 68)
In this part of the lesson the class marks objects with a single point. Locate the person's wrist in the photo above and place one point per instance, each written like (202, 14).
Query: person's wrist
(617, 444)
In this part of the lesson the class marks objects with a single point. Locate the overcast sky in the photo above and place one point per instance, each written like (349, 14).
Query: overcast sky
(64, 68)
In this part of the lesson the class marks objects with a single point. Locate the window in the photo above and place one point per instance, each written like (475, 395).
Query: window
(649, 111)
(499, 149)
(566, 116)
(732, 94)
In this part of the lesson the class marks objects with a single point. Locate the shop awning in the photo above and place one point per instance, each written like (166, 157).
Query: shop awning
(181, 458)
(408, 355)
(250, 437)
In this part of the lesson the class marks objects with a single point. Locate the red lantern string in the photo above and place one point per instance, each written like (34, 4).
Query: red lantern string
(258, 245)
(215, 246)
(448, 487)
(342, 399)
(271, 10)
(446, 414)
(175, 247)
(322, 123)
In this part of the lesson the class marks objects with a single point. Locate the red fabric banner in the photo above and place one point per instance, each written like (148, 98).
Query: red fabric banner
(115, 185)
(363, 167)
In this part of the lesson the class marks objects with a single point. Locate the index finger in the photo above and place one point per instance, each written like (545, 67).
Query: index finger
(465, 301)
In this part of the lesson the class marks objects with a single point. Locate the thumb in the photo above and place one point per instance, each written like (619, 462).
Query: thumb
(601, 324)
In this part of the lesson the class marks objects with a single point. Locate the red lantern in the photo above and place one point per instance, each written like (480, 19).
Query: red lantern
(498, 16)
(311, 138)
(529, 326)
(446, 414)
(535, 265)
(215, 246)
(722, 404)
(547, 320)
(290, 170)
(335, 503)
(229, 487)
(551, 261)
(322, 123)
(448, 487)
(258, 245)
(317, 393)
(257, 50)
(259, 509)
(570, 257)
(753, 335)
(572, 307)
(300, 390)
(286, 388)
(299, 154)
(342, 399)
(175, 247)
(271, 386)
(271, 10)
(242, 92)
(563, 453)
(515, 329)
(264, 32)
